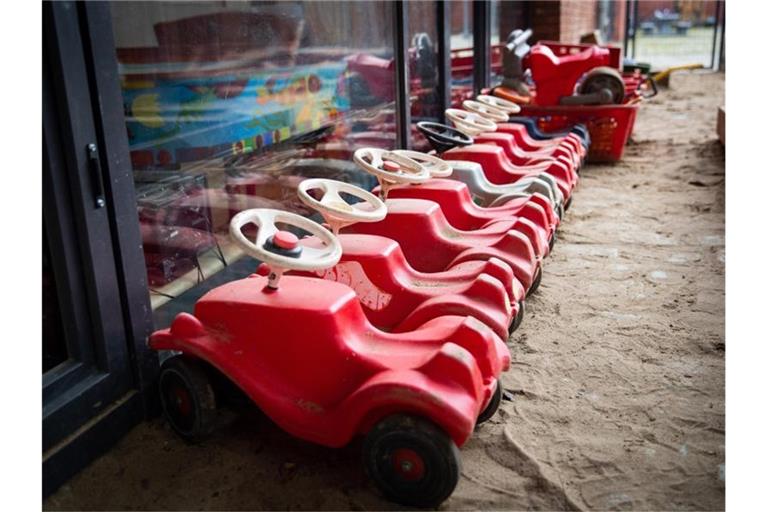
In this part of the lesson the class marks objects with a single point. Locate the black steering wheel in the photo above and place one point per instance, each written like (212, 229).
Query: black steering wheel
(443, 137)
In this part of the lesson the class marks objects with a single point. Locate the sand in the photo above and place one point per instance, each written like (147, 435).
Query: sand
(616, 393)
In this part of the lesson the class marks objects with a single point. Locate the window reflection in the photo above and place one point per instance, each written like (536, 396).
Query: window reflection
(423, 72)
(461, 50)
(229, 105)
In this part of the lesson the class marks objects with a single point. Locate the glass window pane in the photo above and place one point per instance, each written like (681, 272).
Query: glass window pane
(424, 77)
(229, 105)
(506, 16)
(461, 49)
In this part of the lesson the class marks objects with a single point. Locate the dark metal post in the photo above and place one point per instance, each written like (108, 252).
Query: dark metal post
(721, 59)
(635, 14)
(627, 21)
(714, 32)
(402, 89)
(481, 47)
(444, 57)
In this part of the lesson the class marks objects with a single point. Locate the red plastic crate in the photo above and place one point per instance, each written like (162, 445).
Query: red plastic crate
(609, 125)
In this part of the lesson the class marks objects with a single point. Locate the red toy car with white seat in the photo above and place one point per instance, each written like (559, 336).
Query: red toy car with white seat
(565, 149)
(526, 140)
(443, 138)
(454, 144)
(394, 296)
(303, 351)
(563, 162)
(537, 218)
(428, 240)
(522, 150)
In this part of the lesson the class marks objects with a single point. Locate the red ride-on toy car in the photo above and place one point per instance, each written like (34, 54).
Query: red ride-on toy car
(562, 160)
(443, 137)
(394, 296)
(576, 139)
(584, 78)
(304, 352)
(496, 166)
(521, 148)
(429, 241)
(532, 215)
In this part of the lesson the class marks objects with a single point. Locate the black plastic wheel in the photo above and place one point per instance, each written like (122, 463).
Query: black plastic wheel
(536, 281)
(443, 137)
(412, 461)
(552, 241)
(188, 399)
(567, 204)
(604, 78)
(492, 406)
(518, 317)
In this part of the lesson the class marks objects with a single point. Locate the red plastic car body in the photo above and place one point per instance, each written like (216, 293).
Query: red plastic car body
(527, 143)
(513, 142)
(462, 213)
(397, 298)
(431, 244)
(308, 357)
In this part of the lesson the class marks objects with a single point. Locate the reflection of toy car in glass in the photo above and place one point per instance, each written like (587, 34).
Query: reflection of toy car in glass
(302, 350)
(176, 226)
(279, 180)
(428, 240)
(394, 296)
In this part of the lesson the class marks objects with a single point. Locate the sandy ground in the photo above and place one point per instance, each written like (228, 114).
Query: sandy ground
(616, 393)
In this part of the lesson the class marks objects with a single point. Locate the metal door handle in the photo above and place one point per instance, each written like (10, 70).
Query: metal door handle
(97, 183)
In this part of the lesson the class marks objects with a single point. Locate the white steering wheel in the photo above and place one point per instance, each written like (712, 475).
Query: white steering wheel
(336, 211)
(504, 105)
(280, 249)
(390, 168)
(437, 168)
(487, 111)
(470, 123)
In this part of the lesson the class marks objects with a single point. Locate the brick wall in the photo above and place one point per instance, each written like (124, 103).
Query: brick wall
(577, 17)
(545, 20)
(565, 21)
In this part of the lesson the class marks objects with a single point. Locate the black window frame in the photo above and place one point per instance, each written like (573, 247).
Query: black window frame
(90, 400)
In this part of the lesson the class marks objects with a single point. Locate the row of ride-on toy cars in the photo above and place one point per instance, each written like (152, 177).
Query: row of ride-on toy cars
(391, 319)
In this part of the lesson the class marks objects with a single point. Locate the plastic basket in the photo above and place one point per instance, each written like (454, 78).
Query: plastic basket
(609, 125)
